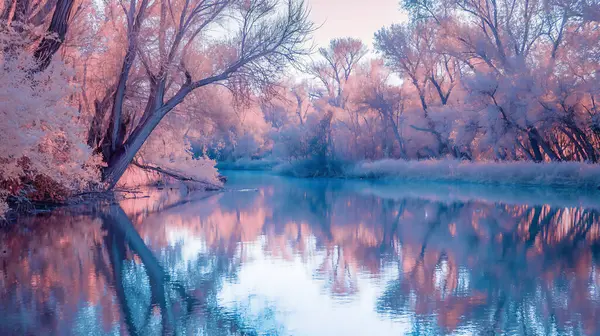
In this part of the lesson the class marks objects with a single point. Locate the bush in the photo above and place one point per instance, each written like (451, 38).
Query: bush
(312, 167)
(42, 152)
(249, 164)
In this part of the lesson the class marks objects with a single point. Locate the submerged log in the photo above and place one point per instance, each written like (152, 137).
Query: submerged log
(176, 175)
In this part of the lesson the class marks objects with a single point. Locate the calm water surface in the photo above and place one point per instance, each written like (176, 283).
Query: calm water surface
(282, 256)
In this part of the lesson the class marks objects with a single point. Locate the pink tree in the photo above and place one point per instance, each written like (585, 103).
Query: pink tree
(269, 36)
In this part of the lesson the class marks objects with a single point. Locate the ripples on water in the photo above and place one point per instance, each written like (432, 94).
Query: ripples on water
(308, 257)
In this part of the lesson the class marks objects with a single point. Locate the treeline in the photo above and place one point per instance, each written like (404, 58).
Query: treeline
(507, 80)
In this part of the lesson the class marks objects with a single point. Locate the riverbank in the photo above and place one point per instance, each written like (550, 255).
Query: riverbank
(575, 175)
(559, 174)
(93, 199)
(25, 207)
(570, 177)
(433, 191)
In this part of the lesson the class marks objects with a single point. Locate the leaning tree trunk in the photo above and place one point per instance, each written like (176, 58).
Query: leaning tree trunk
(55, 35)
(397, 135)
(120, 160)
(535, 146)
(116, 131)
(536, 138)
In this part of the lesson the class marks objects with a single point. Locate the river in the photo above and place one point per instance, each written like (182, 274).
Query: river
(273, 255)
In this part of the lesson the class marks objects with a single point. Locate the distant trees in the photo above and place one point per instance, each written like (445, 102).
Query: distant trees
(338, 61)
(388, 101)
(498, 63)
(413, 52)
(509, 57)
(333, 71)
(470, 79)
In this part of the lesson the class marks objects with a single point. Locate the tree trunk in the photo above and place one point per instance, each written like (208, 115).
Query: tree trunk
(544, 145)
(95, 131)
(116, 132)
(587, 146)
(535, 146)
(397, 135)
(56, 34)
(121, 159)
(21, 11)
(578, 149)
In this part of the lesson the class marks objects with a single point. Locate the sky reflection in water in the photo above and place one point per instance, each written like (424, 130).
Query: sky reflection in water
(308, 257)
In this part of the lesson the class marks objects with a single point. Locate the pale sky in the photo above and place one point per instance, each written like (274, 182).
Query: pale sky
(353, 18)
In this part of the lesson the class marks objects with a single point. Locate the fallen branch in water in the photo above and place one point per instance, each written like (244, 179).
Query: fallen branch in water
(175, 175)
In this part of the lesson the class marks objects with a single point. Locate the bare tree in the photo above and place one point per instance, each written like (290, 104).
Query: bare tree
(269, 38)
(410, 51)
(302, 102)
(135, 16)
(339, 60)
(388, 101)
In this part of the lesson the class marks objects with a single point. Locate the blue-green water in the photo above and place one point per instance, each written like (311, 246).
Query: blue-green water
(281, 256)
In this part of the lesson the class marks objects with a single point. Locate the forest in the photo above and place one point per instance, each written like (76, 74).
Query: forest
(116, 93)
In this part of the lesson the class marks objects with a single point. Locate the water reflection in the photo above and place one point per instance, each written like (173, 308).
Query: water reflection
(298, 257)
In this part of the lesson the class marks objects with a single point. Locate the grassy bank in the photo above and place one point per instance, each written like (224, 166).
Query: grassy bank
(556, 174)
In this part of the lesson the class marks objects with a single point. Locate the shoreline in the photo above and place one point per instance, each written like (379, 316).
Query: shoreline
(91, 201)
(562, 179)
(567, 175)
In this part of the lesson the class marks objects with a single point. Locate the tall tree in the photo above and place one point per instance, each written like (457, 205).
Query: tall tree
(339, 60)
(270, 35)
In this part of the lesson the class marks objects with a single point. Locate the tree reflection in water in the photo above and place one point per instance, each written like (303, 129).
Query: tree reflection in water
(169, 263)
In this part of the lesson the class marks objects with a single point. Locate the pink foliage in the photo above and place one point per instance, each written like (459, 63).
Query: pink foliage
(40, 133)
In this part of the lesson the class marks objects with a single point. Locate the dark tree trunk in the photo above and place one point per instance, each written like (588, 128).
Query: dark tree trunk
(584, 141)
(100, 108)
(21, 11)
(110, 145)
(578, 149)
(55, 35)
(120, 160)
(537, 143)
(116, 131)
(397, 135)
(535, 146)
